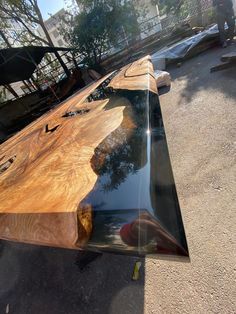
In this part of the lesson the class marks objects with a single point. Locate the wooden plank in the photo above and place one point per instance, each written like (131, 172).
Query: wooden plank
(45, 170)
(229, 57)
(229, 60)
(222, 66)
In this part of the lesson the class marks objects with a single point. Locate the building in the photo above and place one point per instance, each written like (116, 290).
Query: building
(53, 24)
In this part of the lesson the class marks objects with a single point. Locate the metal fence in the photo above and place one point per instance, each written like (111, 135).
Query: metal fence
(50, 71)
(47, 73)
(161, 26)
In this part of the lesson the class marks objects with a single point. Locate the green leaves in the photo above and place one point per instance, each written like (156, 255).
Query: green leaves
(101, 25)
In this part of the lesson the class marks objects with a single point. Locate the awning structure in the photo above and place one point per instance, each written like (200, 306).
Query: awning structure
(18, 64)
(95, 173)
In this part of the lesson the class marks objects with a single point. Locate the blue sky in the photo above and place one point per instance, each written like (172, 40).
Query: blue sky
(51, 6)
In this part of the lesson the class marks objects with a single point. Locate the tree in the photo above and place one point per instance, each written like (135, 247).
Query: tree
(4, 39)
(2, 94)
(4, 42)
(27, 14)
(101, 25)
(181, 8)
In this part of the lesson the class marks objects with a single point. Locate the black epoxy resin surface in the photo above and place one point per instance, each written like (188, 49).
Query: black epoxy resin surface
(134, 201)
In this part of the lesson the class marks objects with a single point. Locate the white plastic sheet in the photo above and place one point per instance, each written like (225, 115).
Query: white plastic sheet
(183, 48)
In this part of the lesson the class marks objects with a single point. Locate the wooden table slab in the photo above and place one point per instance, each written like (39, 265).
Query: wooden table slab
(95, 172)
(41, 190)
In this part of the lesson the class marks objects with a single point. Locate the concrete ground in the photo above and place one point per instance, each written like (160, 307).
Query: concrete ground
(199, 114)
(200, 121)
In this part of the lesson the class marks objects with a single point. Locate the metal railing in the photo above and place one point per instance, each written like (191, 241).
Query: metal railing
(50, 72)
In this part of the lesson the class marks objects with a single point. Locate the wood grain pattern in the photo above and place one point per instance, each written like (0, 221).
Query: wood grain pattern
(138, 75)
(46, 168)
(54, 168)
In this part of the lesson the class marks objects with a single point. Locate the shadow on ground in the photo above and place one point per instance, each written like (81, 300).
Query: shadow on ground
(44, 280)
(198, 80)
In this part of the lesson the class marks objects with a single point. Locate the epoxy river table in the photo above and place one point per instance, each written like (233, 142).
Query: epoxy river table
(94, 173)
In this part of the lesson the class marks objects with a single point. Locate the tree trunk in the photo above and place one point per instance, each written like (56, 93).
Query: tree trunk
(11, 90)
(5, 39)
(27, 86)
(56, 53)
(34, 80)
(199, 13)
(31, 84)
(50, 40)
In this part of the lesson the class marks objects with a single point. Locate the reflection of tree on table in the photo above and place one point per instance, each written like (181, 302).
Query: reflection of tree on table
(123, 152)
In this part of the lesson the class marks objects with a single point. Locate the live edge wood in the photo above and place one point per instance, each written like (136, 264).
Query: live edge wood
(136, 76)
(46, 170)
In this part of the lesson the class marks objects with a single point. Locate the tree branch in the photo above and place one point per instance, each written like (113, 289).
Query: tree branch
(32, 33)
(24, 8)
